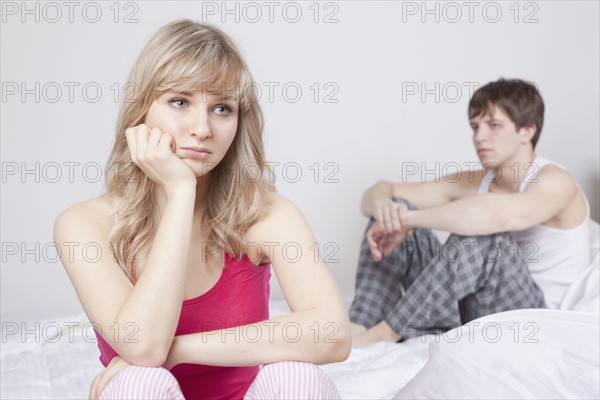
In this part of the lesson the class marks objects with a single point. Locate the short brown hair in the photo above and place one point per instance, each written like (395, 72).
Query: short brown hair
(519, 99)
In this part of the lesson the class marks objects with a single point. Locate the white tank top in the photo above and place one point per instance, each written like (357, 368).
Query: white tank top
(555, 256)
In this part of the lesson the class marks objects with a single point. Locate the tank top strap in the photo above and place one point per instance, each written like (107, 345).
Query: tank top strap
(534, 168)
(484, 186)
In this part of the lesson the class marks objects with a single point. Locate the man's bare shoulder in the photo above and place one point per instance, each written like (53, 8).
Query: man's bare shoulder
(552, 180)
(554, 174)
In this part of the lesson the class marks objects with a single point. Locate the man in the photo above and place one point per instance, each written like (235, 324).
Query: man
(519, 231)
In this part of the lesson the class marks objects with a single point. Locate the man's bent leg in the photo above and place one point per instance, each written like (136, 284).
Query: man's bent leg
(379, 285)
(467, 269)
(508, 286)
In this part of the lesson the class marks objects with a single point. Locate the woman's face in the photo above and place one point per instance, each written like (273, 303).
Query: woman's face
(202, 124)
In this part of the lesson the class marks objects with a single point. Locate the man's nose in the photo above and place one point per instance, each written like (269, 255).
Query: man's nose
(480, 134)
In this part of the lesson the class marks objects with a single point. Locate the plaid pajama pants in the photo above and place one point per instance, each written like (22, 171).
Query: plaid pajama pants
(425, 287)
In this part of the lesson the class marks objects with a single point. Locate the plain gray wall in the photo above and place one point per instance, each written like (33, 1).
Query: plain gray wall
(364, 60)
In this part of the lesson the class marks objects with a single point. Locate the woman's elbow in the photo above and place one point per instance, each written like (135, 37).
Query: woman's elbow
(336, 352)
(335, 348)
(146, 356)
(342, 350)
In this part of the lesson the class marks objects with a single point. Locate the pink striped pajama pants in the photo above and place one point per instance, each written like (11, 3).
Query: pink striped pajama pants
(282, 380)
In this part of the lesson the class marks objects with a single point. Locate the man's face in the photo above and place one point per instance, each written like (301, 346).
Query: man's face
(496, 138)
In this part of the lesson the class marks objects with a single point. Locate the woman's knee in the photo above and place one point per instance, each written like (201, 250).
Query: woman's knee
(136, 382)
(292, 380)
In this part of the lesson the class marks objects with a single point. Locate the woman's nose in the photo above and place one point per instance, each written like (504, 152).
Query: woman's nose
(199, 126)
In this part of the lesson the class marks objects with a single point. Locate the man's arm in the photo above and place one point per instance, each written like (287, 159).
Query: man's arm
(421, 194)
(490, 213)
(377, 200)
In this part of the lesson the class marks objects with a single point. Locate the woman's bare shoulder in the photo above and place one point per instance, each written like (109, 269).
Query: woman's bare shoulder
(275, 204)
(92, 213)
(278, 209)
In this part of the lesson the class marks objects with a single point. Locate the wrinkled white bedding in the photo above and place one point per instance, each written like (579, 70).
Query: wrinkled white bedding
(58, 364)
(563, 362)
(534, 354)
(58, 358)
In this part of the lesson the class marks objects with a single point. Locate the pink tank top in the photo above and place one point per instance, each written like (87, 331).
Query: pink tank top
(240, 297)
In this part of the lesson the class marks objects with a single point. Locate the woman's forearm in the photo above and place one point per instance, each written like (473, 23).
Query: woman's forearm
(310, 336)
(154, 304)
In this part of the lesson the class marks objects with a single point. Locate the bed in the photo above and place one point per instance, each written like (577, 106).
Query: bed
(516, 354)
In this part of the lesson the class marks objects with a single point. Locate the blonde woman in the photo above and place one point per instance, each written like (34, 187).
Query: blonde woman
(188, 231)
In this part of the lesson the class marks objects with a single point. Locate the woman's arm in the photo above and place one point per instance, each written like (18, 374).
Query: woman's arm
(137, 321)
(127, 315)
(316, 331)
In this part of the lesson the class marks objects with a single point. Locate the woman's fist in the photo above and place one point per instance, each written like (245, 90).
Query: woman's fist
(153, 151)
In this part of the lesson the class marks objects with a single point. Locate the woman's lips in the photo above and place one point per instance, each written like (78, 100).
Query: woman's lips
(196, 153)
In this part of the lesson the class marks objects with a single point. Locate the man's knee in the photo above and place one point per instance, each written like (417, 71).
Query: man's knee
(491, 248)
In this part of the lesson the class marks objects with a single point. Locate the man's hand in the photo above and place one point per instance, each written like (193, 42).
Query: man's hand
(391, 216)
(389, 230)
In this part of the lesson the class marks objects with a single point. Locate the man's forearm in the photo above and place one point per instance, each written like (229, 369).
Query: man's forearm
(379, 192)
(474, 215)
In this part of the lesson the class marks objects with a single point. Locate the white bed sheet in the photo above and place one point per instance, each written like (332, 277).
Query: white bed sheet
(58, 358)
(519, 354)
(62, 367)
(61, 364)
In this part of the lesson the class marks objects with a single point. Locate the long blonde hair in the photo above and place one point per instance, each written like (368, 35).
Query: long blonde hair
(185, 55)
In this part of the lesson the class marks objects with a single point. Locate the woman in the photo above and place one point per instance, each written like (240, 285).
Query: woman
(188, 231)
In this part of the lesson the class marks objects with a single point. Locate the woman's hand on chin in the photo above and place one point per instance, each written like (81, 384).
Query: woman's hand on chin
(152, 151)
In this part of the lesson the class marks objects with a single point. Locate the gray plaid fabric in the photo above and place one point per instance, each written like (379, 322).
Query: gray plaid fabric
(445, 285)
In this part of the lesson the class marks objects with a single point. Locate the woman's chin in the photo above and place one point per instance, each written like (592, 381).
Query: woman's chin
(201, 169)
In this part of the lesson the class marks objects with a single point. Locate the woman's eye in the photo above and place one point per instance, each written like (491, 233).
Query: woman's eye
(223, 110)
(178, 103)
